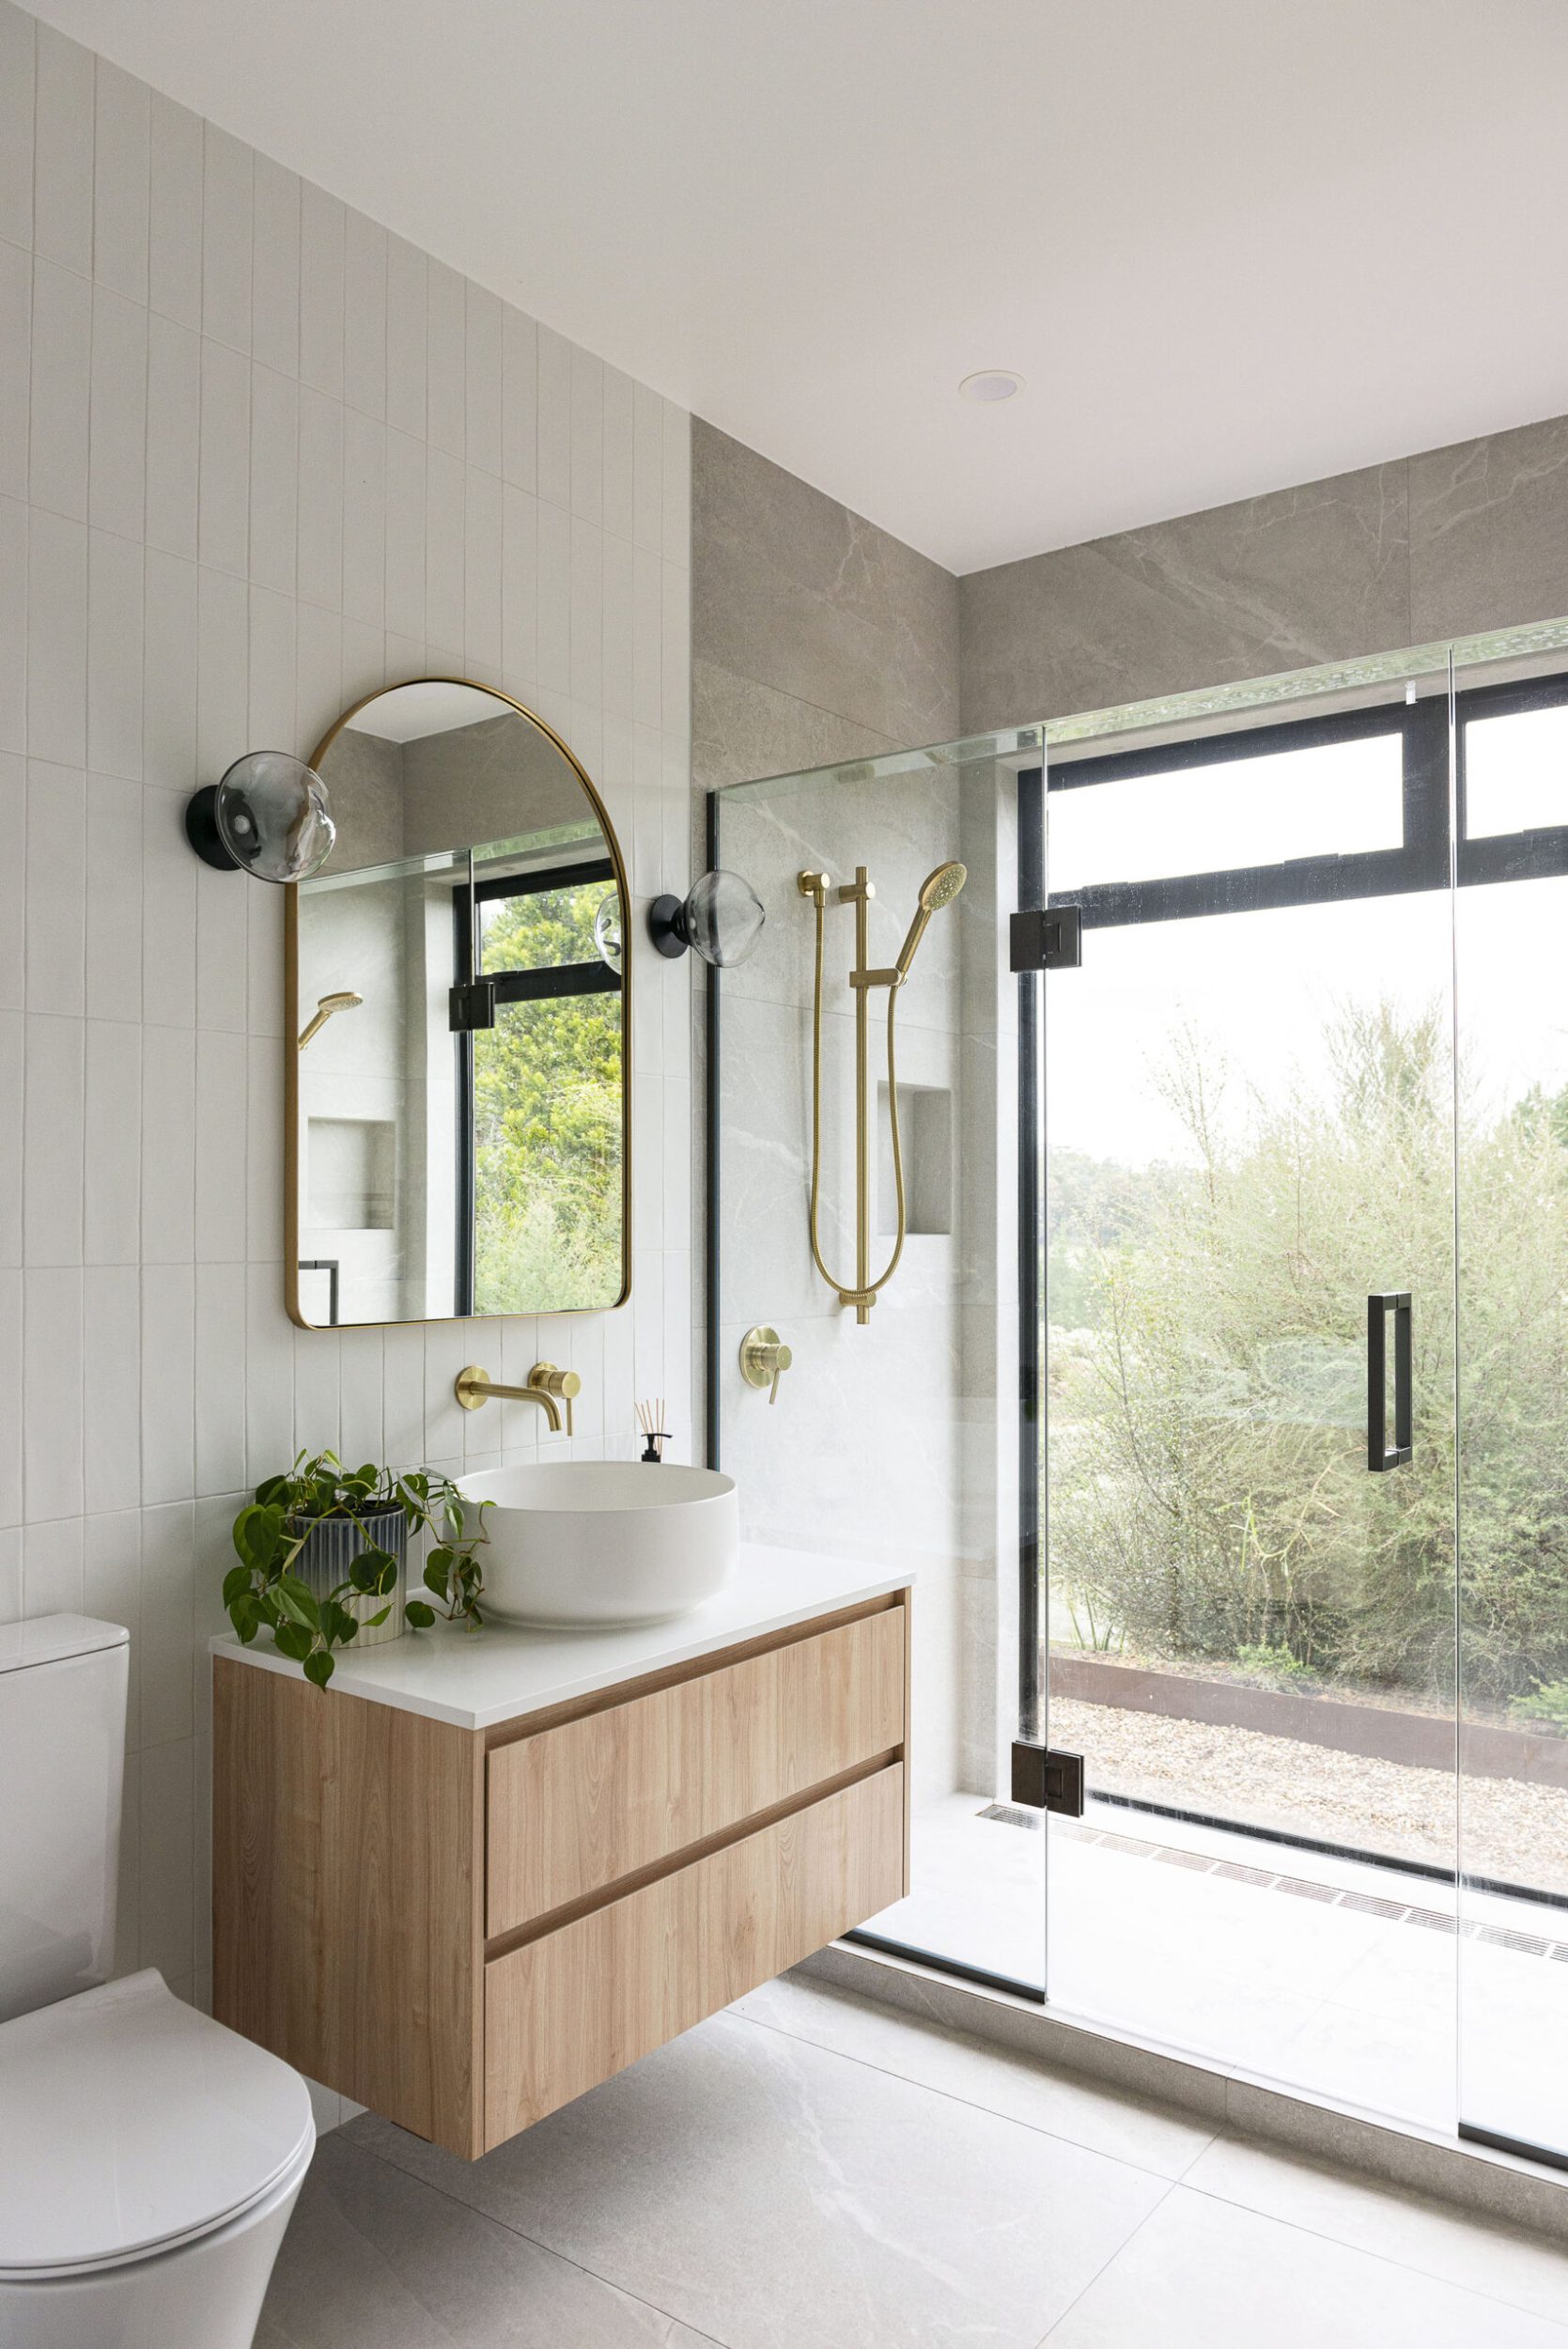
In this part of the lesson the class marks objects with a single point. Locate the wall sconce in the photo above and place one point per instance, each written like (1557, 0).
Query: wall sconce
(267, 817)
(722, 916)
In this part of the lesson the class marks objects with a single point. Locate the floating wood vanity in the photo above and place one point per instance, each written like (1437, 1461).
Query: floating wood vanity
(480, 1874)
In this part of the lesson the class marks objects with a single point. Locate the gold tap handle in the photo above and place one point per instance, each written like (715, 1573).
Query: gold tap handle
(563, 1384)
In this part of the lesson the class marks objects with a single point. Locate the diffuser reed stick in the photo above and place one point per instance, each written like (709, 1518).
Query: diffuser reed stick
(650, 1418)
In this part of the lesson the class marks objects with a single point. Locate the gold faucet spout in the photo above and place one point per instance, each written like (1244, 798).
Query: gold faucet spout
(474, 1388)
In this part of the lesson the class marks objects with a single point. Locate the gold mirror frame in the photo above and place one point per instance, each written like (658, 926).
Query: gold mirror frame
(291, 1029)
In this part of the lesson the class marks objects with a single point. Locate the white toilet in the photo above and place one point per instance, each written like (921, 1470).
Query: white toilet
(149, 2159)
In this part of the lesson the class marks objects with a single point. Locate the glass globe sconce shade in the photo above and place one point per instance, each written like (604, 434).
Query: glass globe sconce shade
(721, 917)
(607, 931)
(267, 817)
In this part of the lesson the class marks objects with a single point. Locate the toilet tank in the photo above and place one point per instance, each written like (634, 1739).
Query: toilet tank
(62, 1769)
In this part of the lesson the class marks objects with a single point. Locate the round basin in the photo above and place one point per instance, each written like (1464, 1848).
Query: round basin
(592, 1543)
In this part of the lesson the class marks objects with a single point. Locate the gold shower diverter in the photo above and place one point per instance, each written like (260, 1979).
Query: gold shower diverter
(764, 1359)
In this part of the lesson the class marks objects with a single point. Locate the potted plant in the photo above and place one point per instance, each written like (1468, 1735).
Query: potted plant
(323, 1550)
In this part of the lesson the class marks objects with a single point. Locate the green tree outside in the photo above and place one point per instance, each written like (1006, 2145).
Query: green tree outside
(547, 1119)
(1209, 1497)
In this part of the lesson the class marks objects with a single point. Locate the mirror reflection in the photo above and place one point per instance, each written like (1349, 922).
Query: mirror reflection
(457, 1089)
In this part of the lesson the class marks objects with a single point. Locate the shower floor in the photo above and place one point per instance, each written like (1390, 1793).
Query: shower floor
(1337, 1978)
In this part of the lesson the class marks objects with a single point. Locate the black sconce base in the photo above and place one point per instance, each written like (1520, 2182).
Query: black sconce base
(201, 830)
(667, 926)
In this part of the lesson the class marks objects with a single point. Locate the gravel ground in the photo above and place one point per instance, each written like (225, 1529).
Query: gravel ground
(1511, 1830)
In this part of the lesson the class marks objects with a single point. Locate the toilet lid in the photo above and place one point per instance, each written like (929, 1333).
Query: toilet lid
(129, 2121)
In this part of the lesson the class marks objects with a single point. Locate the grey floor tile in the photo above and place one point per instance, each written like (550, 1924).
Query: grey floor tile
(374, 2260)
(778, 2196)
(1203, 2274)
(1503, 2262)
(1147, 2135)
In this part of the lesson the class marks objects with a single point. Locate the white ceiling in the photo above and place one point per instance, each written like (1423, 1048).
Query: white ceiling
(1231, 243)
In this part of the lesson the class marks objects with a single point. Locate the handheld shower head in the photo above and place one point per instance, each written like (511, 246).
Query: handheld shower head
(326, 1004)
(939, 888)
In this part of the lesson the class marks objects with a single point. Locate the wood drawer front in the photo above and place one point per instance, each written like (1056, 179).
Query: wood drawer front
(565, 2012)
(575, 1808)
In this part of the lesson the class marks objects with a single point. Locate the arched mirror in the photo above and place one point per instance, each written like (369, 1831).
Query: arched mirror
(459, 1073)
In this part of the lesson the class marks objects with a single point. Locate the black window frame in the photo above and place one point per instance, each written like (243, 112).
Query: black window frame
(1421, 861)
(1540, 853)
(550, 982)
(1432, 854)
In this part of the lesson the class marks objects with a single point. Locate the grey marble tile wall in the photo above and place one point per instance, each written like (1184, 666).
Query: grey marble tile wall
(816, 636)
(864, 1451)
(1450, 543)
(1489, 532)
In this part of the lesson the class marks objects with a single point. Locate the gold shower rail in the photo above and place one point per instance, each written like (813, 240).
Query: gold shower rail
(939, 888)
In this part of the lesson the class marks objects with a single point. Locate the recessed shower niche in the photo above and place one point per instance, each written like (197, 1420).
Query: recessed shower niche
(351, 1168)
(925, 1139)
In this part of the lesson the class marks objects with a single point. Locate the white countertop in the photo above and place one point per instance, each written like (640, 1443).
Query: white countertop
(477, 1679)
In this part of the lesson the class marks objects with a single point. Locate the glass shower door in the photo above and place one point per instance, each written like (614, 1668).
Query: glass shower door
(1249, 1280)
(1513, 1037)
(894, 1437)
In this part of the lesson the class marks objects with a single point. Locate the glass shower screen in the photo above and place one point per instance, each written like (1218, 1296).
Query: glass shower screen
(1511, 920)
(1214, 1396)
(894, 1437)
(1249, 1117)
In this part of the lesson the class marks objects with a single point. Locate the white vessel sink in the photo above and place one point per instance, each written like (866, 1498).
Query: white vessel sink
(586, 1543)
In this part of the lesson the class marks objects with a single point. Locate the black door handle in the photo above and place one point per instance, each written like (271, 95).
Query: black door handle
(1381, 1454)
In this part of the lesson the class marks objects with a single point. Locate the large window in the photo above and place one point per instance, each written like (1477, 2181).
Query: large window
(1255, 1117)
(539, 1201)
(1305, 1129)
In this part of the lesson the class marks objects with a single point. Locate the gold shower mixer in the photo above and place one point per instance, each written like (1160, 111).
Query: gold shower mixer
(937, 890)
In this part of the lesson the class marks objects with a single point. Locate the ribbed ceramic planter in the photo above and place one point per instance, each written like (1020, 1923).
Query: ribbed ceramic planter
(331, 1550)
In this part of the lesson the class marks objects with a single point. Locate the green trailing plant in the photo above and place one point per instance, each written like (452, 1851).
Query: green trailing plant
(264, 1591)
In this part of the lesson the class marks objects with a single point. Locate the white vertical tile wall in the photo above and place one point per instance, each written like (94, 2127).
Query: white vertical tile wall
(257, 456)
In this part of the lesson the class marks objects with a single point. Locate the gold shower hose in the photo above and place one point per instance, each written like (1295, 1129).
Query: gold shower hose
(864, 1296)
(937, 890)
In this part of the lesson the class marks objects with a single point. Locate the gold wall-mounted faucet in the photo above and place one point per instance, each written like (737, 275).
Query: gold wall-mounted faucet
(547, 1386)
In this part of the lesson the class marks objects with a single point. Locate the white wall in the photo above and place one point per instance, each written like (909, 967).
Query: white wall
(257, 457)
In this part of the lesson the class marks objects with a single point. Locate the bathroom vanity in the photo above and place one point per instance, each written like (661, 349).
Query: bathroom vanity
(482, 1872)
